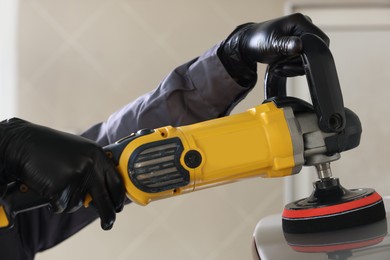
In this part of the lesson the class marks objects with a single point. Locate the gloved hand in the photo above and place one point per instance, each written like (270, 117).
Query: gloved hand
(267, 42)
(63, 168)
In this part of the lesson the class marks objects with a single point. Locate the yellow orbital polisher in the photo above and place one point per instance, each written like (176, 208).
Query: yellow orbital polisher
(274, 139)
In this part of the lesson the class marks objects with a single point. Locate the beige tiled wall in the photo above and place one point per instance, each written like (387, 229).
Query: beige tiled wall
(81, 60)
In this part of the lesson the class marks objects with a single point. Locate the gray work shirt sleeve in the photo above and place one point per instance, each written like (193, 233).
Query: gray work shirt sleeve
(198, 90)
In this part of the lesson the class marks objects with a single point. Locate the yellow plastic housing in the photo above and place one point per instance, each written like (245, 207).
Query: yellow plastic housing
(254, 143)
(4, 222)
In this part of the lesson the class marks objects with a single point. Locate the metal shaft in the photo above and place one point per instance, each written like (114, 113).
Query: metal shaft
(323, 170)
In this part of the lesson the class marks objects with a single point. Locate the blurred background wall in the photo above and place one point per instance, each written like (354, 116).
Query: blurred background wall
(8, 57)
(79, 61)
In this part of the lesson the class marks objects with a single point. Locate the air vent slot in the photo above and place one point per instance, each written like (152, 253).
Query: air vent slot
(155, 167)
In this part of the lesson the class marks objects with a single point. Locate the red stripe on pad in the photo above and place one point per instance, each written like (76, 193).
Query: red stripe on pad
(330, 210)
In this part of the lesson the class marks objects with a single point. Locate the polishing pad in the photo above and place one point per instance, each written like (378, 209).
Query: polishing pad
(332, 207)
(340, 242)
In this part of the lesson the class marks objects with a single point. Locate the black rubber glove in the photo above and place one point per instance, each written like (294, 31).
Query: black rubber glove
(267, 42)
(62, 167)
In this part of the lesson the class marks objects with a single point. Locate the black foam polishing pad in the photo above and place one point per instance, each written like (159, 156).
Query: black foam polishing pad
(339, 241)
(332, 207)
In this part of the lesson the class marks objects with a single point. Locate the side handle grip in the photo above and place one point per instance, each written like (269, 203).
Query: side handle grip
(323, 82)
(18, 198)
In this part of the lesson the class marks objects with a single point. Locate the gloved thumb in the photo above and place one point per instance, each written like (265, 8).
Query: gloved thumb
(288, 46)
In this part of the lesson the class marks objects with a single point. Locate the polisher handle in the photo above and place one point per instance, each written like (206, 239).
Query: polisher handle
(17, 198)
(322, 79)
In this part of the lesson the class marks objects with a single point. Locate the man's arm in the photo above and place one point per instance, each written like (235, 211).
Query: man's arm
(198, 90)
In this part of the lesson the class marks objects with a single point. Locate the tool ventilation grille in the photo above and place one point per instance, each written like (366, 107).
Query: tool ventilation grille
(156, 167)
